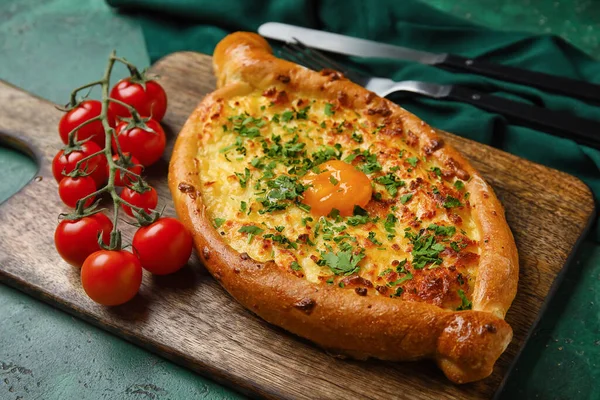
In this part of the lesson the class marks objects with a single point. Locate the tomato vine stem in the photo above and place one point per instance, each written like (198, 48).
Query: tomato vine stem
(110, 134)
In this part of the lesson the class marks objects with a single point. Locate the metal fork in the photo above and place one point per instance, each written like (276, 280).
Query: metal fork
(581, 130)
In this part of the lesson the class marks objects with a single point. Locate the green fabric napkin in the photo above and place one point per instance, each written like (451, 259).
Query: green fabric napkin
(173, 25)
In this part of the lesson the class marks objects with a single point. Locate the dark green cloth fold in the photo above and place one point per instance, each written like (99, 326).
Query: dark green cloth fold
(173, 25)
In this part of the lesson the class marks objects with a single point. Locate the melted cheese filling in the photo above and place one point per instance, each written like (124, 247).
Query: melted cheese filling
(414, 240)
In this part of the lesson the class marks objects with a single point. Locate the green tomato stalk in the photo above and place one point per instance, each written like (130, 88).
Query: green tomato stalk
(113, 166)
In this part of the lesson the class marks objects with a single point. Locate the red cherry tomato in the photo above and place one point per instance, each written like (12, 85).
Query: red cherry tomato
(146, 146)
(127, 179)
(66, 162)
(75, 240)
(147, 200)
(150, 101)
(163, 247)
(71, 190)
(111, 277)
(86, 110)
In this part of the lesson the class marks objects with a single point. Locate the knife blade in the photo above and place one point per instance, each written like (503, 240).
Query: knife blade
(352, 46)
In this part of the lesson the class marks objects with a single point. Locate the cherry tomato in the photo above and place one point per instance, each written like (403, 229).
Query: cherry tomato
(75, 240)
(111, 277)
(86, 110)
(163, 247)
(127, 179)
(146, 146)
(150, 101)
(71, 190)
(147, 200)
(66, 162)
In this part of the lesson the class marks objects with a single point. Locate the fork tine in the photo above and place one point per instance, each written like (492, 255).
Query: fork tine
(325, 61)
(299, 57)
(308, 54)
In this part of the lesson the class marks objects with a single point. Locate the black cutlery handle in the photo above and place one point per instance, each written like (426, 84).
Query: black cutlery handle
(551, 83)
(581, 130)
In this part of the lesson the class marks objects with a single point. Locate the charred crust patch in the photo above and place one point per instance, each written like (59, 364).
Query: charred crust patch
(361, 291)
(343, 99)
(491, 328)
(187, 189)
(369, 97)
(456, 168)
(244, 256)
(381, 109)
(356, 280)
(269, 92)
(332, 74)
(283, 78)
(206, 253)
(381, 289)
(412, 139)
(306, 305)
(433, 145)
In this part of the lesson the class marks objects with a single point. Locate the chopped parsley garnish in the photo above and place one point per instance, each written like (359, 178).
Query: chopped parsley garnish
(242, 125)
(455, 246)
(390, 225)
(425, 250)
(391, 183)
(243, 178)
(279, 228)
(243, 206)
(385, 272)
(287, 116)
(302, 113)
(437, 171)
(329, 109)
(400, 281)
(405, 198)
(295, 266)
(251, 229)
(412, 161)
(357, 137)
(219, 222)
(281, 240)
(452, 202)
(373, 239)
(466, 303)
(333, 180)
(460, 279)
(307, 219)
(398, 292)
(327, 153)
(380, 127)
(442, 230)
(283, 188)
(371, 164)
(343, 262)
(459, 185)
(356, 220)
(323, 125)
(303, 207)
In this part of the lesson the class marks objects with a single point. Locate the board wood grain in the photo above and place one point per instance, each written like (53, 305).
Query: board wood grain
(188, 318)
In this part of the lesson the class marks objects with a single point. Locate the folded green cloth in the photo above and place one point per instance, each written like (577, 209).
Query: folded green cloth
(175, 25)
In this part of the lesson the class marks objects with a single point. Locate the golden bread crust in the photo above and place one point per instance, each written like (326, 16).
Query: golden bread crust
(465, 344)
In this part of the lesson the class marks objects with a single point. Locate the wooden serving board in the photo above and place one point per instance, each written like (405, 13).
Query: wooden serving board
(190, 319)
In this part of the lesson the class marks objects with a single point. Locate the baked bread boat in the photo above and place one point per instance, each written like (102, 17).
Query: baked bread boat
(341, 217)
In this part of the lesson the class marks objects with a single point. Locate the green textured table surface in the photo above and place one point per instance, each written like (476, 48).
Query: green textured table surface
(48, 46)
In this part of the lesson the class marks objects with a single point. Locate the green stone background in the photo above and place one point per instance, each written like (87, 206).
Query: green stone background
(49, 46)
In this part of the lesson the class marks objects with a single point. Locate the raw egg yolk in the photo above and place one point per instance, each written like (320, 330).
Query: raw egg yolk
(339, 185)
